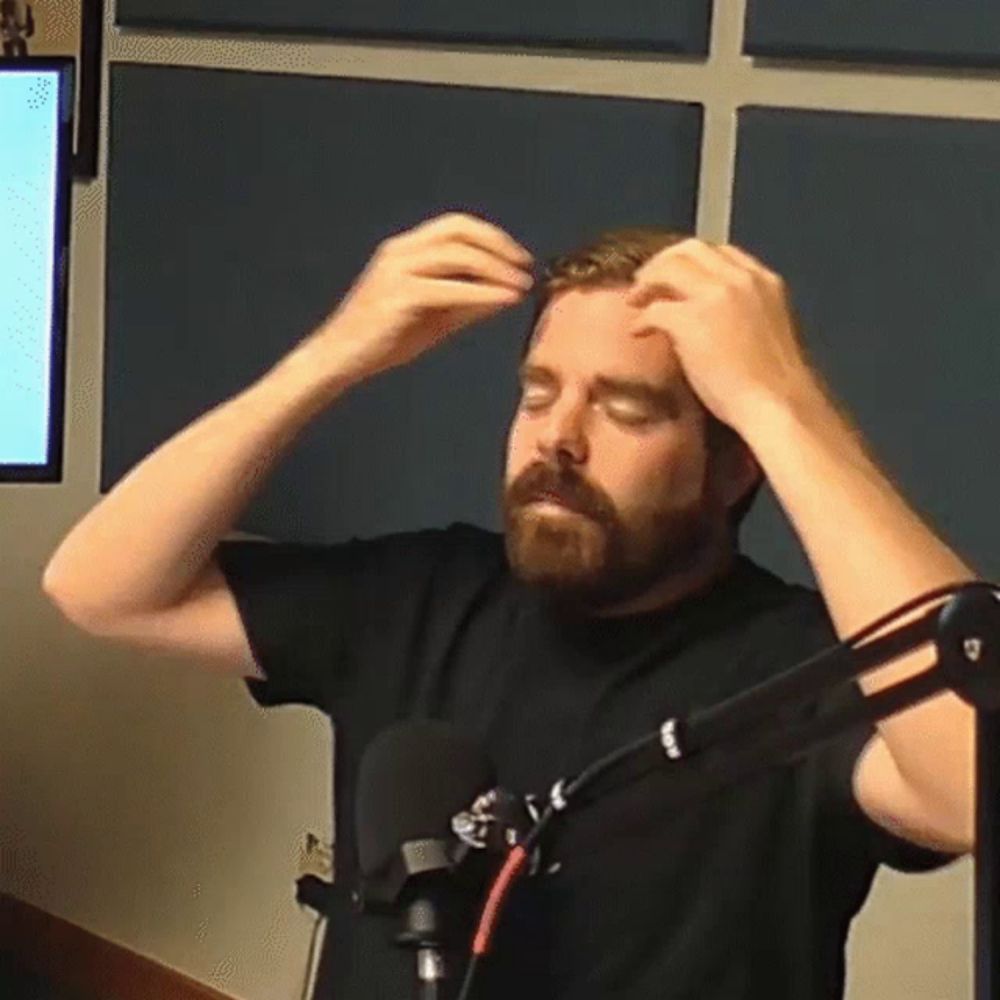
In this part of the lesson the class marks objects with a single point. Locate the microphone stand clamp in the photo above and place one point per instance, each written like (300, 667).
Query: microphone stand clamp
(497, 822)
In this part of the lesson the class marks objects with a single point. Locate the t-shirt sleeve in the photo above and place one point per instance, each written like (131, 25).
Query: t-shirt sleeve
(307, 607)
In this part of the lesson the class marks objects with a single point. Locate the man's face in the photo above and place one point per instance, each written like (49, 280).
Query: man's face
(632, 467)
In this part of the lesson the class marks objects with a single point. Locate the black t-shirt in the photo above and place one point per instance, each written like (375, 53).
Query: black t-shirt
(747, 894)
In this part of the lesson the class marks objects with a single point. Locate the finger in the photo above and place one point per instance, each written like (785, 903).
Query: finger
(722, 266)
(457, 260)
(741, 257)
(478, 232)
(677, 277)
(442, 293)
(656, 318)
(641, 295)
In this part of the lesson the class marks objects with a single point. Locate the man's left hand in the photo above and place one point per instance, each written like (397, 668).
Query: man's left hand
(730, 321)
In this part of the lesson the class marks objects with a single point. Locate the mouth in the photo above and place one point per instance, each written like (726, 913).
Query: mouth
(552, 500)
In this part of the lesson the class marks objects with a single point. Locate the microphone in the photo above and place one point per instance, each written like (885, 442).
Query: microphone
(414, 778)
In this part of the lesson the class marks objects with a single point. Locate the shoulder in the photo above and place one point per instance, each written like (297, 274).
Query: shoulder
(793, 613)
(381, 561)
(469, 546)
(447, 559)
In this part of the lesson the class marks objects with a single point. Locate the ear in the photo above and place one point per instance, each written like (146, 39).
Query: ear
(736, 471)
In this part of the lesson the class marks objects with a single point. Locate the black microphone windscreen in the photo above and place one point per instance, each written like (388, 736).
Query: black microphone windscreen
(413, 777)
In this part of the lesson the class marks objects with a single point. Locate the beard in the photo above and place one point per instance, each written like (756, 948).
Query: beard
(586, 562)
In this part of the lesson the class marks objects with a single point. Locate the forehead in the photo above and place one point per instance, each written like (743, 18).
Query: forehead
(583, 332)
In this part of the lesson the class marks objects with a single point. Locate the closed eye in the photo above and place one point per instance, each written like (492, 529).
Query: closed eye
(633, 418)
(625, 411)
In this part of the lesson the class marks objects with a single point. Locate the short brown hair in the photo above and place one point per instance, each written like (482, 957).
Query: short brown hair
(612, 258)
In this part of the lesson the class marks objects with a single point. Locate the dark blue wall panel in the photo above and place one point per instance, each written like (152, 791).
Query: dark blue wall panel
(886, 230)
(241, 208)
(680, 26)
(948, 33)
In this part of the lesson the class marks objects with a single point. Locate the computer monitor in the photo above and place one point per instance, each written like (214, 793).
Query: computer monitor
(36, 172)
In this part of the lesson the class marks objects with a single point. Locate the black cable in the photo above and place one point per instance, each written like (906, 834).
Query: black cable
(470, 975)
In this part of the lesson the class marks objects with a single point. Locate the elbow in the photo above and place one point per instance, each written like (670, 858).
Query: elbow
(52, 589)
(965, 840)
(955, 827)
(49, 588)
(68, 608)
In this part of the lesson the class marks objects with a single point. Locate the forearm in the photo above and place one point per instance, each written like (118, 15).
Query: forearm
(871, 552)
(147, 542)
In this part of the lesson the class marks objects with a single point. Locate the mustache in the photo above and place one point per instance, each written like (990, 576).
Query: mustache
(534, 485)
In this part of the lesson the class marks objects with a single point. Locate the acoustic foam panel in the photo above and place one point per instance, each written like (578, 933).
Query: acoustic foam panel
(241, 208)
(885, 230)
(919, 32)
(681, 26)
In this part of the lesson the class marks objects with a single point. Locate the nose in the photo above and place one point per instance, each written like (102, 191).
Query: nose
(562, 438)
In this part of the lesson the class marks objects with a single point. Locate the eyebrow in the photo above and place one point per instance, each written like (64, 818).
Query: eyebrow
(639, 388)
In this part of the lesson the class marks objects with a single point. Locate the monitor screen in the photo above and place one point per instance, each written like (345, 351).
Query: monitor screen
(36, 166)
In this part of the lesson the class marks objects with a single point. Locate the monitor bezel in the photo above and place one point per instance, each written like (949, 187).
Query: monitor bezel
(51, 469)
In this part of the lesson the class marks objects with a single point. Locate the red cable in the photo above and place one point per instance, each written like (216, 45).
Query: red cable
(515, 860)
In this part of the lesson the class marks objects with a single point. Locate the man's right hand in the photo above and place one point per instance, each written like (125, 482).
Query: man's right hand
(422, 285)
